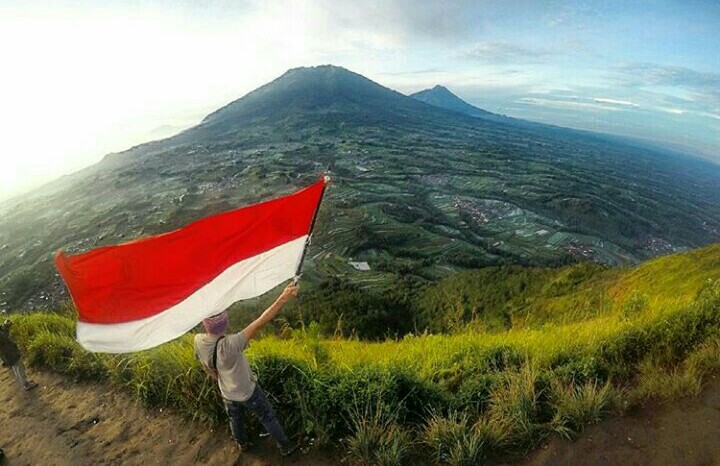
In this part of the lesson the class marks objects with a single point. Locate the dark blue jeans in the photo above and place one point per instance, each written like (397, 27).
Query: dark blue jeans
(260, 407)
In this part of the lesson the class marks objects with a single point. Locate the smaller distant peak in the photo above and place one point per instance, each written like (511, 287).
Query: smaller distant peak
(441, 96)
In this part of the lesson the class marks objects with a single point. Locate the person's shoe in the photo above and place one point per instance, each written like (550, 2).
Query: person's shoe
(245, 447)
(30, 385)
(288, 450)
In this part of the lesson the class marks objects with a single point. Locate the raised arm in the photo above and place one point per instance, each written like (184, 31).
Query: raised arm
(251, 330)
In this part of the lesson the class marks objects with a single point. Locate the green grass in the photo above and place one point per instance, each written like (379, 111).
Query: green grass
(376, 437)
(454, 440)
(459, 398)
(656, 381)
(669, 280)
(578, 405)
(502, 298)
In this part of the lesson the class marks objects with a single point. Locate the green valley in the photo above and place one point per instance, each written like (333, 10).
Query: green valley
(419, 192)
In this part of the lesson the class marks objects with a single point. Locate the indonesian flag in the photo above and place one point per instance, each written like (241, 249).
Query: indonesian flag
(137, 295)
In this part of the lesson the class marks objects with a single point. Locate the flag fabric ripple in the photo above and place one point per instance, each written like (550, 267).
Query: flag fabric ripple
(139, 294)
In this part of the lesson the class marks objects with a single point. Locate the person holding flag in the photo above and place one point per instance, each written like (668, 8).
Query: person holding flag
(222, 357)
(140, 294)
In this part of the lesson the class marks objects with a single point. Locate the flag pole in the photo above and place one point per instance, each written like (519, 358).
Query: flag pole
(298, 271)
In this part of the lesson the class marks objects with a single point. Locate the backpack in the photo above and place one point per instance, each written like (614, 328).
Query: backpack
(214, 357)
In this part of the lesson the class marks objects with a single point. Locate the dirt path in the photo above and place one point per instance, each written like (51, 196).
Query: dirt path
(684, 433)
(64, 423)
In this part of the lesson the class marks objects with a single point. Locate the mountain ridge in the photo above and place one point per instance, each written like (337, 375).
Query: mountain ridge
(307, 80)
(319, 88)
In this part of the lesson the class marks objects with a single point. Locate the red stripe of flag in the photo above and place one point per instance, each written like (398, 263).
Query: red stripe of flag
(139, 279)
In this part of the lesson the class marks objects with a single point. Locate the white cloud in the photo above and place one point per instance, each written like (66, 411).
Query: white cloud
(622, 103)
(566, 104)
(506, 52)
(674, 111)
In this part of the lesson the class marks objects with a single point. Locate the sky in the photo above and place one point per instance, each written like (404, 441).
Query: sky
(80, 79)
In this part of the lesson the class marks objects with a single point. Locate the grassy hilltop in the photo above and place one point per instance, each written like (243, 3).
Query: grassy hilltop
(508, 356)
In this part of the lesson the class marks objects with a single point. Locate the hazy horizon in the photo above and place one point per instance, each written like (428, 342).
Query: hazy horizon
(81, 82)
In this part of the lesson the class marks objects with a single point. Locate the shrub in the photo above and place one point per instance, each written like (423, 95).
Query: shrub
(571, 366)
(576, 406)
(376, 437)
(473, 393)
(50, 350)
(706, 358)
(26, 326)
(454, 440)
(516, 402)
(443, 434)
(655, 381)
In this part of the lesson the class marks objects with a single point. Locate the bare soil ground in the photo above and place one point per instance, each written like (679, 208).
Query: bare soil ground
(65, 423)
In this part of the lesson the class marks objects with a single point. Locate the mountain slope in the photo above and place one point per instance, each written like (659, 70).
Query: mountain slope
(327, 89)
(617, 358)
(322, 95)
(419, 191)
(518, 297)
(441, 96)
